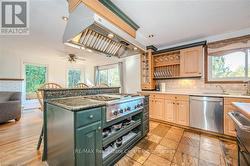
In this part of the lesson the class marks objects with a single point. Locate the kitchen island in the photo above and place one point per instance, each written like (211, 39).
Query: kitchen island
(94, 129)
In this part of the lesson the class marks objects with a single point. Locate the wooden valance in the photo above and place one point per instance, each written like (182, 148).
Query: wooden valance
(227, 46)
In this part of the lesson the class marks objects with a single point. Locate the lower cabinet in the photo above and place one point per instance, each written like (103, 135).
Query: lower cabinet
(156, 108)
(169, 111)
(229, 127)
(170, 108)
(89, 145)
(182, 111)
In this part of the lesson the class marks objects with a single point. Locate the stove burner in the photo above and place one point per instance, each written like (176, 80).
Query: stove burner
(102, 98)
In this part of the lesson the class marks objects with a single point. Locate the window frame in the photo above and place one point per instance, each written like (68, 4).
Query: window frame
(24, 74)
(67, 75)
(107, 67)
(231, 80)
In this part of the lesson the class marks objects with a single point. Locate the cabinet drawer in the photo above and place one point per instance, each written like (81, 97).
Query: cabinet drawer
(177, 97)
(88, 116)
(158, 96)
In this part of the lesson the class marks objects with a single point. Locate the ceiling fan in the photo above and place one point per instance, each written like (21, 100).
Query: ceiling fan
(74, 58)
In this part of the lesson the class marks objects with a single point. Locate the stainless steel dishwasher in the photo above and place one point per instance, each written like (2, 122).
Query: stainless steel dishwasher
(207, 113)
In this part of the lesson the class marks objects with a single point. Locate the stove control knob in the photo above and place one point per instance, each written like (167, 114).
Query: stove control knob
(135, 107)
(138, 105)
(121, 111)
(128, 108)
(141, 104)
(115, 113)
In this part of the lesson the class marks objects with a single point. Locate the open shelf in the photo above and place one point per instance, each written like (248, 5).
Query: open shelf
(176, 77)
(115, 135)
(111, 152)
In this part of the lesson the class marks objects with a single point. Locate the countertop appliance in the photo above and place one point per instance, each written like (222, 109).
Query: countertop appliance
(207, 113)
(242, 125)
(119, 105)
(86, 29)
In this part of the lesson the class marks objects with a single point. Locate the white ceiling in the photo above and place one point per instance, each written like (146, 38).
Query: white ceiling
(176, 21)
(46, 33)
(171, 21)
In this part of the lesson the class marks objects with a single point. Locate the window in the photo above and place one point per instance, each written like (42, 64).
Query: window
(74, 77)
(108, 75)
(230, 66)
(35, 76)
(229, 60)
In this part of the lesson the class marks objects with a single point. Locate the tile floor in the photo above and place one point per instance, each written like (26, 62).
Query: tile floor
(168, 145)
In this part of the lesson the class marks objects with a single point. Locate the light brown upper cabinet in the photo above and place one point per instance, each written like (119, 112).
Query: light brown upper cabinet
(191, 62)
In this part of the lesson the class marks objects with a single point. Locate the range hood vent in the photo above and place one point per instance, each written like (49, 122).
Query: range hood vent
(96, 41)
(86, 29)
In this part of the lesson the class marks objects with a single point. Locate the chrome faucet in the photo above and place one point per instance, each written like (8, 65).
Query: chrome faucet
(248, 86)
(223, 90)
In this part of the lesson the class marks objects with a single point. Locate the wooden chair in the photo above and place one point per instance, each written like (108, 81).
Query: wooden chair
(39, 94)
(81, 85)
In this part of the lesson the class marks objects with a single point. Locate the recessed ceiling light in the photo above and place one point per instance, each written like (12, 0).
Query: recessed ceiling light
(82, 48)
(65, 18)
(135, 48)
(151, 36)
(111, 35)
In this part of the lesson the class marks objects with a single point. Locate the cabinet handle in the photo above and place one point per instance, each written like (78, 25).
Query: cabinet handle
(173, 103)
(99, 128)
(91, 116)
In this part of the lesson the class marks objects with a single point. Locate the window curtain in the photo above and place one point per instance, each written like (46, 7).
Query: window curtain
(120, 68)
(96, 75)
(222, 47)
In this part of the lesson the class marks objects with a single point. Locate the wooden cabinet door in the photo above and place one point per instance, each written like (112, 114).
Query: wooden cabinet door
(89, 145)
(169, 111)
(158, 110)
(151, 108)
(191, 62)
(182, 111)
(229, 128)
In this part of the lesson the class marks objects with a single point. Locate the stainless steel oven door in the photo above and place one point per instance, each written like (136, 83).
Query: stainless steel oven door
(243, 155)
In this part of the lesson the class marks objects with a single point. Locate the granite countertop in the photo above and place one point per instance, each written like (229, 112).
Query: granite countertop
(243, 108)
(195, 93)
(87, 88)
(76, 103)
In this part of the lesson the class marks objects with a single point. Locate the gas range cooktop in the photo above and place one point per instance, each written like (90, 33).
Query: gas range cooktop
(110, 97)
(118, 105)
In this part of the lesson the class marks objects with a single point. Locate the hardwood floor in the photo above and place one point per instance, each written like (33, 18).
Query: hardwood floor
(18, 140)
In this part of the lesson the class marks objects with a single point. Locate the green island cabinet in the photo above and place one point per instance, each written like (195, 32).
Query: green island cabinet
(74, 137)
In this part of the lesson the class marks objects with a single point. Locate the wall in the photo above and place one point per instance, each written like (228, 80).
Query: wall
(12, 66)
(198, 85)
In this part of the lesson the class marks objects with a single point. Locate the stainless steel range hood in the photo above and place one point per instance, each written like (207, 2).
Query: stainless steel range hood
(86, 29)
